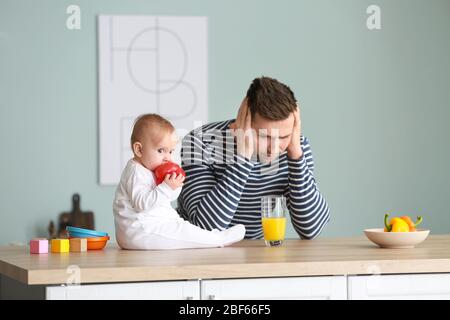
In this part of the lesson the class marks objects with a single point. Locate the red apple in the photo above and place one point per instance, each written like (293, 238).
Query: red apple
(167, 168)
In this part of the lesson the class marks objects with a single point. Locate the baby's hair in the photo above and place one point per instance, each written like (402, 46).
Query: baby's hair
(157, 125)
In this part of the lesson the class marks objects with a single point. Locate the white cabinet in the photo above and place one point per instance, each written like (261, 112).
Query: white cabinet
(333, 287)
(387, 287)
(391, 287)
(166, 290)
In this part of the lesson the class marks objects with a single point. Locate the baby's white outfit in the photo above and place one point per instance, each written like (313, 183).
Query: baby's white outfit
(145, 219)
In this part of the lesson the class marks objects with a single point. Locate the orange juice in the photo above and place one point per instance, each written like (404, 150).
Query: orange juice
(274, 228)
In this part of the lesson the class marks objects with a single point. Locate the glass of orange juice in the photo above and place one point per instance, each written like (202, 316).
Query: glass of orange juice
(273, 219)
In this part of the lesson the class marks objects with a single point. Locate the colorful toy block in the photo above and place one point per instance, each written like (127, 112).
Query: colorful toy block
(38, 246)
(78, 244)
(60, 245)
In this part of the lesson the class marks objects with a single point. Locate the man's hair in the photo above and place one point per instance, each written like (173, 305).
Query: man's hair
(271, 99)
(152, 124)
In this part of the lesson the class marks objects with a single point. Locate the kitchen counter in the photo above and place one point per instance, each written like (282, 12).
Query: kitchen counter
(247, 259)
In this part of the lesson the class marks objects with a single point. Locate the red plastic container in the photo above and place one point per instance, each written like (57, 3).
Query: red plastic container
(96, 243)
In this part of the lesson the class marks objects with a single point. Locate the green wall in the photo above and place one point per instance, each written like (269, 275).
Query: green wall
(375, 104)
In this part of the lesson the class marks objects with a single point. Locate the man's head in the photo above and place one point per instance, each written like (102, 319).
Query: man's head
(271, 105)
(153, 140)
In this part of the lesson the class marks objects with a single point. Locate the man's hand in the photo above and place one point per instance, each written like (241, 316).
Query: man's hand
(294, 149)
(174, 181)
(243, 132)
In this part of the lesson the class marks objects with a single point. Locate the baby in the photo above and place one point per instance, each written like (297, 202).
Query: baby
(144, 218)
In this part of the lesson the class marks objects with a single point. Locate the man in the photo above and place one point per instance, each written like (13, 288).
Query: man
(231, 164)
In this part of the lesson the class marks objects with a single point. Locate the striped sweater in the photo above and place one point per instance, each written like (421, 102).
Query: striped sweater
(223, 189)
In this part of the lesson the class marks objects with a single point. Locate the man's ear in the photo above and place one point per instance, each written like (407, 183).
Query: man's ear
(137, 149)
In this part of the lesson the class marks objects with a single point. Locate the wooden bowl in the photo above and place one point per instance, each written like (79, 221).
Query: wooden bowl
(396, 240)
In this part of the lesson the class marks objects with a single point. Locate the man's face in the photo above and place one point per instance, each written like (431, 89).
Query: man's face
(272, 136)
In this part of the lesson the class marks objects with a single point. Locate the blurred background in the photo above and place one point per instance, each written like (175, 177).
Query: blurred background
(375, 103)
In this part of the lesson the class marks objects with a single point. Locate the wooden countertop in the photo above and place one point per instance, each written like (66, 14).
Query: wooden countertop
(247, 259)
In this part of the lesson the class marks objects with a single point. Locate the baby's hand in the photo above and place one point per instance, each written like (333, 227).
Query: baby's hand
(174, 181)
